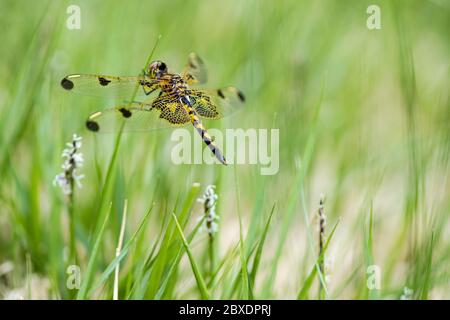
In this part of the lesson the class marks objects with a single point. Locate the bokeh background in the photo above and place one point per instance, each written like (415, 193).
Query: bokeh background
(363, 117)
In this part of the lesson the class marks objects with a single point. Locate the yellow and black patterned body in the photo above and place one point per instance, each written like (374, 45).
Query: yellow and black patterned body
(176, 103)
(174, 87)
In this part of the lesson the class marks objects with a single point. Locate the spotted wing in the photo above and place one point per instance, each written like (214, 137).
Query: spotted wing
(137, 117)
(195, 70)
(109, 86)
(171, 109)
(215, 104)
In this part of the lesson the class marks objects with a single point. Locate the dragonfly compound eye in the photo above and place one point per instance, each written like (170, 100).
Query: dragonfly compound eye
(162, 67)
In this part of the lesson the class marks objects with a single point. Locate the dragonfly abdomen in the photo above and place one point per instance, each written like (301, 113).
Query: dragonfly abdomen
(204, 134)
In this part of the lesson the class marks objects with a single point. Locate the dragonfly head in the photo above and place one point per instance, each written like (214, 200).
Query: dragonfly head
(156, 69)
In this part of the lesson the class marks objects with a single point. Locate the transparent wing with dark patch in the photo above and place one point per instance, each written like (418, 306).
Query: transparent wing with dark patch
(109, 86)
(216, 104)
(130, 117)
(195, 70)
(171, 109)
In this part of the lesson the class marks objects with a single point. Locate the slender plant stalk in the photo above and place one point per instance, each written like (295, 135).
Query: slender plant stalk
(211, 255)
(322, 222)
(104, 213)
(68, 180)
(209, 226)
(209, 200)
(244, 272)
(89, 273)
(119, 250)
(72, 242)
(29, 277)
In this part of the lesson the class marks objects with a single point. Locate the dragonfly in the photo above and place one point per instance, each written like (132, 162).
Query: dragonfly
(175, 100)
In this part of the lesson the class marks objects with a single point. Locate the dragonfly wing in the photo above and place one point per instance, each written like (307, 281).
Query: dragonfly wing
(171, 109)
(195, 70)
(109, 86)
(129, 118)
(216, 104)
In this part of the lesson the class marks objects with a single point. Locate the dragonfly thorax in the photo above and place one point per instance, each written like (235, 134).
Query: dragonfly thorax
(173, 84)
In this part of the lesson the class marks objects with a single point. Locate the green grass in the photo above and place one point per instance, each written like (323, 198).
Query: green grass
(363, 118)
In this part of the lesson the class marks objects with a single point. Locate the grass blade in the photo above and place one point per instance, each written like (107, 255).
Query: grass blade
(118, 251)
(303, 293)
(245, 285)
(173, 267)
(82, 294)
(198, 277)
(104, 276)
(258, 254)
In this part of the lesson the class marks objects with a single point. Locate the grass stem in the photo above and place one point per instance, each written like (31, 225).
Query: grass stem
(119, 250)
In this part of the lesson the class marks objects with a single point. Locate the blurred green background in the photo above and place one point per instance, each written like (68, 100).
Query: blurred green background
(363, 117)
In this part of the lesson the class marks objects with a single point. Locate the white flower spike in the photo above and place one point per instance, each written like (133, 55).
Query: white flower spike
(209, 200)
(73, 160)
